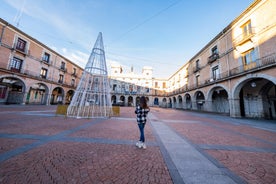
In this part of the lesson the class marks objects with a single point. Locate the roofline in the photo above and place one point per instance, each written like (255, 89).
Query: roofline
(227, 28)
(35, 40)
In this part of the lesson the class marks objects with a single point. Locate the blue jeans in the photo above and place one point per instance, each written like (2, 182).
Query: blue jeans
(141, 128)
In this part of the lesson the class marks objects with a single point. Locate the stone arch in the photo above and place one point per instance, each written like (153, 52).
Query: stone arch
(37, 94)
(199, 100)
(13, 89)
(170, 103)
(164, 102)
(137, 100)
(130, 101)
(254, 97)
(156, 101)
(188, 101)
(180, 102)
(174, 102)
(113, 99)
(218, 100)
(122, 101)
(57, 96)
(237, 87)
(69, 96)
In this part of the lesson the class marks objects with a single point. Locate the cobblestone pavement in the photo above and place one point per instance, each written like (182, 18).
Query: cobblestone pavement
(247, 148)
(39, 147)
(36, 146)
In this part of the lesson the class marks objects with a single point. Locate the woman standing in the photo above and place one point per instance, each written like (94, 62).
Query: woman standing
(142, 110)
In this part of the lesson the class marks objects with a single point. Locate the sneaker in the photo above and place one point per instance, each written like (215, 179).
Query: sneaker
(143, 145)
(139, 144)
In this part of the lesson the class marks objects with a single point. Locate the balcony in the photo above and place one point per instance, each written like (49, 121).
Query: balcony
(213, 58)
(43, 76)
(74, 74)
(16, 70)
(250, 66)
(45, 61)
(196, 69)
(244, 37)
(23, 51)
(63, 69)
(259, 64)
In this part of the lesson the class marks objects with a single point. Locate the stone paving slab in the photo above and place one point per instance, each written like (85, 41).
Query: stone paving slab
(115, 128)
(255, 167)
(71, 162)
(55, 149)
(39, 147)
(210, 135)
(243, 148)
(191, 164)
(7, 144)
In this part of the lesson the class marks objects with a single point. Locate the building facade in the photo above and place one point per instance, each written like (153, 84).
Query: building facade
(32, 73)
(128, 87)
(234, 74)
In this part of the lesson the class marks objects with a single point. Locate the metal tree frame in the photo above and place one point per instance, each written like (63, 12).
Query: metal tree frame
(92, 97)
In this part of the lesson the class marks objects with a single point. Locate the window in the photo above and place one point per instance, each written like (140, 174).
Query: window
(156, 84)
(73, 82)
(197, 63)
(114, 87)
(196, 66)
(21, 45)
(138, 89)
(249, 57)
(246, 29)
(62, 66)
(16, 64)
(46, 57)
(74, 71)
(214, 55)
(130, 88)
(214, 50)
(164, 84)
(215, 73)
(60, 78)
(43, 73)
(197, 80)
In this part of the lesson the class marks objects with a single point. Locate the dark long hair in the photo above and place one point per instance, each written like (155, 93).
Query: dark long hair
(143, 103)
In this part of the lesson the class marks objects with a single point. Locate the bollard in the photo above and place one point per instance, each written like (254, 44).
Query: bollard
(62, 110)
(115, 110)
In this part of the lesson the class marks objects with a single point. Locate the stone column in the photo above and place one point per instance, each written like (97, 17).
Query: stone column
(235, 110)
(25, 99)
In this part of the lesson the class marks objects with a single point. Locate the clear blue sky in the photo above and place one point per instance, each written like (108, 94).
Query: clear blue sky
(163, 34)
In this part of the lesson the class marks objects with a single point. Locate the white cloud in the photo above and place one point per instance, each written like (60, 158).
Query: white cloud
(51, 13)
(64, 50)
(75, 56)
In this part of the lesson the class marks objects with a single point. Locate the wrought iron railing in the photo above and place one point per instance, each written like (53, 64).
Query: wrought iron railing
(213, 57)
(267, 61)
(242, 38)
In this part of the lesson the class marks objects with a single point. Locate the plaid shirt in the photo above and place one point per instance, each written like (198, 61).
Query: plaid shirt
(141, 114)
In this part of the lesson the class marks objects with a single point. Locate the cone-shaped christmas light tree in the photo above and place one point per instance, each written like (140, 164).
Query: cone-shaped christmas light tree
(92, 97)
